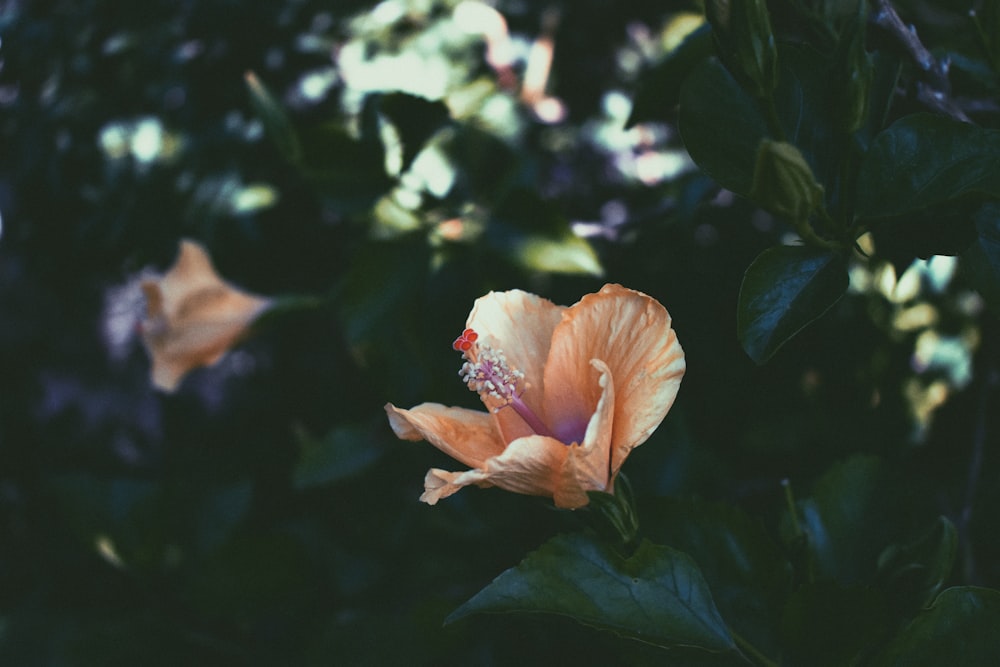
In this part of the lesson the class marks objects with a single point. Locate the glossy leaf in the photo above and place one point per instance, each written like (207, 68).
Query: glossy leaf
(960, 628)
(785, 289)
(721, 126)
(748, 574)
(826, 624)
(924, 160)
(657, 595)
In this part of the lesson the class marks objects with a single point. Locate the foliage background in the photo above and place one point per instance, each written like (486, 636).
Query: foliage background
(264, 513)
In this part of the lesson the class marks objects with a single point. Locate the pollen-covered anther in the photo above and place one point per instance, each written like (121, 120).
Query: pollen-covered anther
(488, 374)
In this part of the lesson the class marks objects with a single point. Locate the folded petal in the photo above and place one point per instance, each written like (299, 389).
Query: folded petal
(440, 484)
(469, 436)
(631, 333)
(520, 324)
(588, 464)
(530, 465)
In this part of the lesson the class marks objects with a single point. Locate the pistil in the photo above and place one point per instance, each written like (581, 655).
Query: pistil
(487, 373)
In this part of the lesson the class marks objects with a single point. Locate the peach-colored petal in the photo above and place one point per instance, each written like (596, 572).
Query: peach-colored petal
(520, 324)
(469, 436)
(529, 465)
(631, 333)
(193, 317)
(588, 464)
(440, 484)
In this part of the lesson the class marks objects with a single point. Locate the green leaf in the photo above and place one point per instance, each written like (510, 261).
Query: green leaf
(844, 520)
(721, 126)
(785, 289)
(657, 595)
(343, 452)
(826, 624)
(660, 86)
(805, 107)
(960, 628)
(914, 573)
(531, 232)
(982, 258)
(924, 160)
(272, 114)
(748, 574)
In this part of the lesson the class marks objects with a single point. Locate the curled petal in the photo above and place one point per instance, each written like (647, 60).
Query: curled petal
(529, 465)
(631, 333)
(440, 484)
(588, 464)
(469, 436)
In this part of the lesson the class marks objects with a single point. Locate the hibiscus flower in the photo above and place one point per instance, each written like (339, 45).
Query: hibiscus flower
(569, 392)
(193, 317)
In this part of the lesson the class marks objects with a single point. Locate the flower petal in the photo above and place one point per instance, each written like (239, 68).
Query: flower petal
(530, 465)
(193, 316)
(631, 333)
(440, 484)
(520, 324)
(469, 436)
(588, 464)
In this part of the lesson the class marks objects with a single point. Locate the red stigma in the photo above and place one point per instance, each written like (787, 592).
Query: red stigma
(464, 342)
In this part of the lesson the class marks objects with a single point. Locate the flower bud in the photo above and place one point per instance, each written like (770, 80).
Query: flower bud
(783, 182)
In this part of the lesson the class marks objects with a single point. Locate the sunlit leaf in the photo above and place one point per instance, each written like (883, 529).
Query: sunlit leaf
(785, 289)
(657, 595)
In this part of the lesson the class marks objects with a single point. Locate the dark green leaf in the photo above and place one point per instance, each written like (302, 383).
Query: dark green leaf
(785, 289)
(982, 258)
(914, 573)
(660, 86)
(721, 126)
(960, 628)
(343, 452)
(805, 110)
(945, 229)
(843, 520)
(825, 624)
(924, 160)
(657, 595)
(749, 576)
(276, 122)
